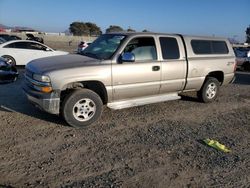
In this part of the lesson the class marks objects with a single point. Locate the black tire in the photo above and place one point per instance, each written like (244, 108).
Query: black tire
(81, 97)
(9, 60)
(207, 93)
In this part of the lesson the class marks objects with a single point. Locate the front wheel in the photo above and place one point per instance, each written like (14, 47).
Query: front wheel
(209, 90)
(81, 108)
(10, 60)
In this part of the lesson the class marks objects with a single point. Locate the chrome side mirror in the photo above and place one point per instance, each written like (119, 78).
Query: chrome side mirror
(128, 57)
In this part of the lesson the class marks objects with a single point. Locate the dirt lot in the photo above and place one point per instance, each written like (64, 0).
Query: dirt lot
(151, 146)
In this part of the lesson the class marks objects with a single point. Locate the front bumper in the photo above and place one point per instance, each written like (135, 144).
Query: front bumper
(48, 102)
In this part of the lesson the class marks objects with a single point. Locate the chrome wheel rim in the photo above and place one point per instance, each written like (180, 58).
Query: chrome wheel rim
(9, 61)
(84, 109)
(211, 90)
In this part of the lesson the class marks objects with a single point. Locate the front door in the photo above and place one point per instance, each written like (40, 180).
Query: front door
(141, 77)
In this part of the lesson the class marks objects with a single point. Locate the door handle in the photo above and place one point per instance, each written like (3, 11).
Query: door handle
(155, 68)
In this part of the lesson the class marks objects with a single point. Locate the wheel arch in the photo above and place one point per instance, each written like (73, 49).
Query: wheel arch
(93, 85)
(219, 75)
(10, 56)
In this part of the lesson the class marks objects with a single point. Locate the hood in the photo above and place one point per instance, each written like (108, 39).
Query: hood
(49, 64)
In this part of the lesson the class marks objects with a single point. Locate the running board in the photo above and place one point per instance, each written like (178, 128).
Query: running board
(142, 101)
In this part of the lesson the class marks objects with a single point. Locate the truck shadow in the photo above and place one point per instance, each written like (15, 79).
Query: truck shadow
(13, 99)
(189, 98)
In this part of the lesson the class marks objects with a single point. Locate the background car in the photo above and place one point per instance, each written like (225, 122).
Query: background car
(32, 37)
(8, 73)
(20, 52)
(2, 40)
(242, 59)
(14, 37)
(82, 45)
(248, 54)
(9, 37)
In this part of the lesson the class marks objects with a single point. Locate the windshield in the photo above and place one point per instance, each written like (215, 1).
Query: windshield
(104, 47)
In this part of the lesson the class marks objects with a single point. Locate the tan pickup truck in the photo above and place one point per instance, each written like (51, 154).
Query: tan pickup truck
(123, 70)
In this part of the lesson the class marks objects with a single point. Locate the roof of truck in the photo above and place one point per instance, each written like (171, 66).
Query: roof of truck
(174, 34)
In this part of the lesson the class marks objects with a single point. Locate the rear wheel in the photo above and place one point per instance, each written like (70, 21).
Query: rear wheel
(10, 60)
(209, 90)
(81, 108)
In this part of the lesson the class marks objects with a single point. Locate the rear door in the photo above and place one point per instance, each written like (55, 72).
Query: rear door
(174, 65)
(139, 78)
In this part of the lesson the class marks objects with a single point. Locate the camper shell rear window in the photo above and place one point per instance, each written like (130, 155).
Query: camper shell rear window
(209, 47)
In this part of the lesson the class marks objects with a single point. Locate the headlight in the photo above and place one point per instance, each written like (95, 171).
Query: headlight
(41, 78)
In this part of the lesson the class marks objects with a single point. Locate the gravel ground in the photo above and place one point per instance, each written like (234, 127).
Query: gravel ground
(155, 145)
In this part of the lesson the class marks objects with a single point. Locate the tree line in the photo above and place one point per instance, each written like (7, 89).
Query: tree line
(91, 29)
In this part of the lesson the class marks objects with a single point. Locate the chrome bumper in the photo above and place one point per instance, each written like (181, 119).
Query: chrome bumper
(48, 102)
(51, 105)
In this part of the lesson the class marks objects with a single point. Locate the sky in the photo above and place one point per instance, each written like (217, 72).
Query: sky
(227, 18)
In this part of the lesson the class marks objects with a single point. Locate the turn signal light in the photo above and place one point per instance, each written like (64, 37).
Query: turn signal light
(46, 89)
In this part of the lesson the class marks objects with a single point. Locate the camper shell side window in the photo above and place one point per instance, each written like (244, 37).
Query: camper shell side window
(209, 47)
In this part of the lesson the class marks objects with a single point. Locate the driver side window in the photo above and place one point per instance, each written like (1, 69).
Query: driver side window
(36, 46)
(143, 48)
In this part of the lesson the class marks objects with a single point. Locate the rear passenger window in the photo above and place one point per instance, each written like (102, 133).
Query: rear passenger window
(12, 45)
(169, 48)
(209, 47)
(20, 45)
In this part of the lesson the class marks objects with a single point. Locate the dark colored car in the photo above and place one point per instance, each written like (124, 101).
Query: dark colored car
(32, 37)
(242, 59)
(2, 40)
(7, 37)
(14, 37)
(8, 73)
